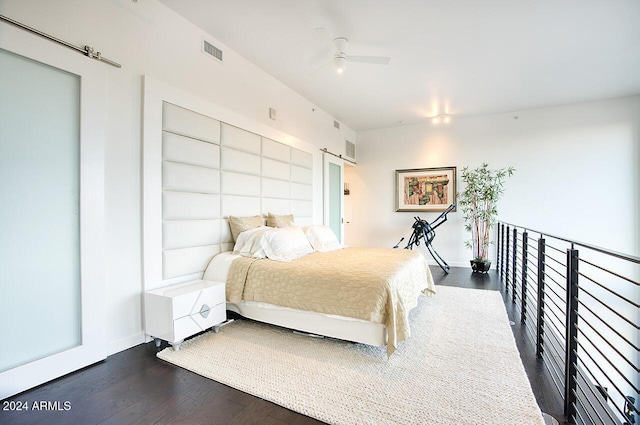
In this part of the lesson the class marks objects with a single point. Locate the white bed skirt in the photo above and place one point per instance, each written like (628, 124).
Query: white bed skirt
(315, 323)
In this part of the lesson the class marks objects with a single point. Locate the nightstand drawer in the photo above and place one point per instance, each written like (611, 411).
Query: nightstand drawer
(193, 302)
(192, 324)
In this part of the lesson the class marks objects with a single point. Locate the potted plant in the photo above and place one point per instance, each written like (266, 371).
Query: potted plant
(484, 186)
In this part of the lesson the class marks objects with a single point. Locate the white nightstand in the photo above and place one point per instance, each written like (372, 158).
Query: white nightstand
(178, 311)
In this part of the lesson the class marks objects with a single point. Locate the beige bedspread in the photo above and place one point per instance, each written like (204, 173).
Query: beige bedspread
(380, 285)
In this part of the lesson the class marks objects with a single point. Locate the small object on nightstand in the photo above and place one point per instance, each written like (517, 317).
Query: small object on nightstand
(176, 312)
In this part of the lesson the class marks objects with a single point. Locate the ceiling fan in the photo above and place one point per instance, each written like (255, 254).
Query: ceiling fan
(341, 57)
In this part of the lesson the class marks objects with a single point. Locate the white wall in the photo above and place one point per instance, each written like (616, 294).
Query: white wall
(576, 174)
(149, 39)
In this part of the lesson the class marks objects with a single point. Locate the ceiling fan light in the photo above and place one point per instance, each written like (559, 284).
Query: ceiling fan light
(340, 64)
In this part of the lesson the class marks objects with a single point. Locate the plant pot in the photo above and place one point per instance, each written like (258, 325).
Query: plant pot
(479, 266)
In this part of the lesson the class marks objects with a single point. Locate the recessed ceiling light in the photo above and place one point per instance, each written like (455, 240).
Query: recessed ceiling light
(441, 119)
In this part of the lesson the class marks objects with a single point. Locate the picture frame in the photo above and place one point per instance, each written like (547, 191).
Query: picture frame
(425, 189)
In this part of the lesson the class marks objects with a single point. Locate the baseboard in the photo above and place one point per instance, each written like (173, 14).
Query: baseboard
(125, 343)
(451, 264)
(466, 265)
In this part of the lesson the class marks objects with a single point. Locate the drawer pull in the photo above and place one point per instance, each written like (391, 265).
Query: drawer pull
(205, 310)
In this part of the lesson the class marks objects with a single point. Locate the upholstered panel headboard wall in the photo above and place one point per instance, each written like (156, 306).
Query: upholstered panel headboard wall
(211, 170)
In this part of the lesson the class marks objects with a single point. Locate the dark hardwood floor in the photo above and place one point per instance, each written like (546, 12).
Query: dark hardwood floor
(135, 387)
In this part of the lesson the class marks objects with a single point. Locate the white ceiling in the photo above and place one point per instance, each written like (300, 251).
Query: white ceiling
(458, 57)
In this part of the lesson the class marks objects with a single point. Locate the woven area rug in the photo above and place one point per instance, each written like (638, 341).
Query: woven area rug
(461, 365)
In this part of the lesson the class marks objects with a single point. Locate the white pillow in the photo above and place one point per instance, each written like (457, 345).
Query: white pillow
(322, 238)
(285, 244)
(249, 243)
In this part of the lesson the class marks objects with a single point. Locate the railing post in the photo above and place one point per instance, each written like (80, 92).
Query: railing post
(572, 336)
(523, 309)
(503, 252)
(499, 248)
(506, 266)
(541, 289)
(513, 261)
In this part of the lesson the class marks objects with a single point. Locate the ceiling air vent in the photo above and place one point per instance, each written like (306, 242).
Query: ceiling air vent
(211, 50)
(336, 124)
(350, 150)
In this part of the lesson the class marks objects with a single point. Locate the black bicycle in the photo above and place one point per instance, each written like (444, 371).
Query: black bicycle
(425, 231)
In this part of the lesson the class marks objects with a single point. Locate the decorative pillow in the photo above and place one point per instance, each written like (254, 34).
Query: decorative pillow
(249, 243)
(285, 244)
(240, 224)
(322, 238)
(279, 220)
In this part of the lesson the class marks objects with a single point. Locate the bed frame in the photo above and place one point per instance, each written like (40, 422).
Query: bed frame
(316, 324)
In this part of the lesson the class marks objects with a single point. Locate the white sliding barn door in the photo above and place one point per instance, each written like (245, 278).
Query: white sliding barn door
(333, 188)
(51, 211)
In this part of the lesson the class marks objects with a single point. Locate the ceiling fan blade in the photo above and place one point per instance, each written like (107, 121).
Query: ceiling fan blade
(322, 67)
(324, 34)
(378, 60)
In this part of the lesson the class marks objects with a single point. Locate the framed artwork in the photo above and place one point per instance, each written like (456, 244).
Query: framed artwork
(425, 189)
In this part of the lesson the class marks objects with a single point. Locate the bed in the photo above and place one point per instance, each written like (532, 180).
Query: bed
(356, 294)
(205, 168)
